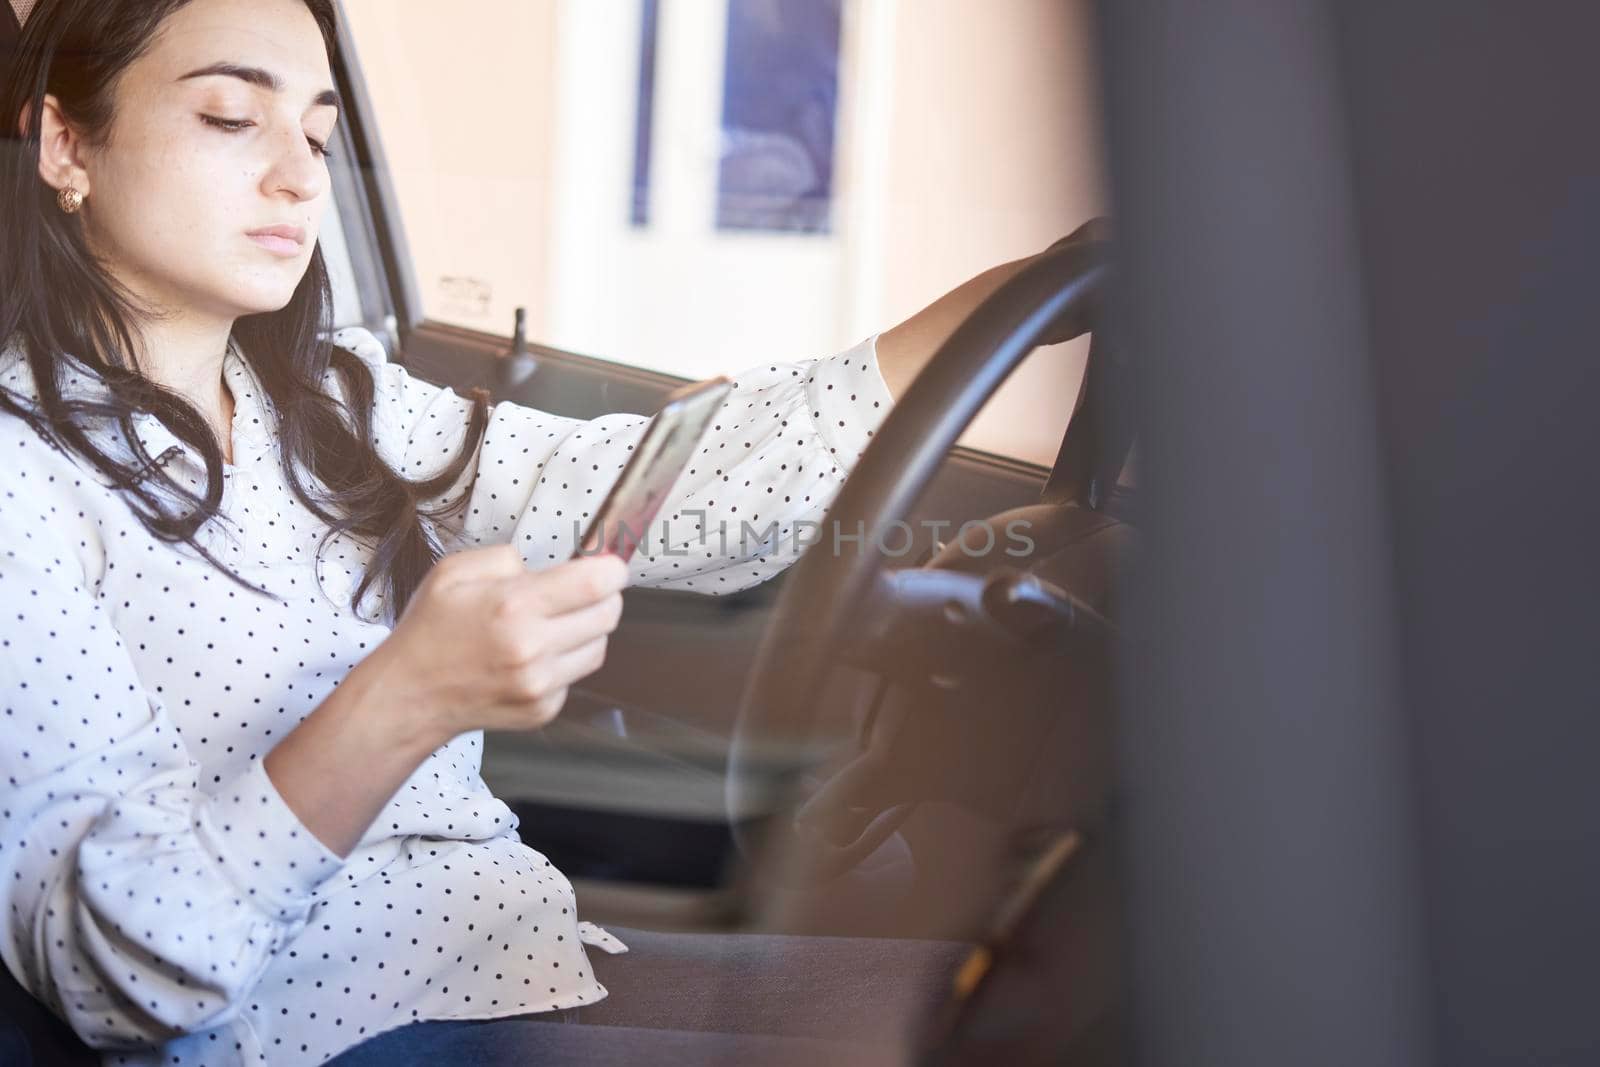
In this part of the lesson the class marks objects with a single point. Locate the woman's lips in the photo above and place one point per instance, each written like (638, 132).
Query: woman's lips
(285, 241)
(278, 246)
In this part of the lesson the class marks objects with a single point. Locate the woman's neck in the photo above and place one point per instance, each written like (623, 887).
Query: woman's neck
(186, 357)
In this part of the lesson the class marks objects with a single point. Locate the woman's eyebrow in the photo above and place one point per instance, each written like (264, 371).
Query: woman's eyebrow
(264, 79)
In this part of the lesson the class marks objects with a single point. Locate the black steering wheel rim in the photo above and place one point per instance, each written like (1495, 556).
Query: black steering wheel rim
(1056, 296)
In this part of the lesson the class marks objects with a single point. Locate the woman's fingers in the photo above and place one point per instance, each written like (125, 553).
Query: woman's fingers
(572, 585)
(547, 683)
(487, 643)
(534, 680)
(577, 628)
(578, 663)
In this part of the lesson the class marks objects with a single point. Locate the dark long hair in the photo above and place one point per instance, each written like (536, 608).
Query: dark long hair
(58, 302)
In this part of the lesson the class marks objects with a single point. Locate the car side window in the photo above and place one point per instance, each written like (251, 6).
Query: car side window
(693, 188)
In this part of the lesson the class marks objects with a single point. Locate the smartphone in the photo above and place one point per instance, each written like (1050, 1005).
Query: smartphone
(626, 513)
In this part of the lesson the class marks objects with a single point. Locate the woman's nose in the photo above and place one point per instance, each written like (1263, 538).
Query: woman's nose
(296, 168)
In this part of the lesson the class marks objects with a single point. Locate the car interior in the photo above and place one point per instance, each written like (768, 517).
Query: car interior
(685, 786)
(1277, 748)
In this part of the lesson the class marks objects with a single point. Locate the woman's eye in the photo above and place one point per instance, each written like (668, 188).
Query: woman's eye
(232, 125)
(236, 125)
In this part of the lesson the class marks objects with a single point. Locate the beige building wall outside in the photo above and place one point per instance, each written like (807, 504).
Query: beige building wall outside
(473, 183)
(996, 153)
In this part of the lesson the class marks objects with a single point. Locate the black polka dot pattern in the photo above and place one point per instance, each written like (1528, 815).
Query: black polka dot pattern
(157, 891)
(775, 457)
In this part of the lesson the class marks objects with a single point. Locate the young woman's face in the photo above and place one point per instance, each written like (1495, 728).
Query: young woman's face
(197, 164)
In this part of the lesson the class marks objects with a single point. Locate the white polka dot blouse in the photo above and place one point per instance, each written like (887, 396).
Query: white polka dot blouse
(157, 892)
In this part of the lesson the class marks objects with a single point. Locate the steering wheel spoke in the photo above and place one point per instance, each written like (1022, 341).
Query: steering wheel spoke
(947, 629)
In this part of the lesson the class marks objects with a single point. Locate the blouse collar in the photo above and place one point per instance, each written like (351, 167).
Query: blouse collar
(252, 410)
(252, 420)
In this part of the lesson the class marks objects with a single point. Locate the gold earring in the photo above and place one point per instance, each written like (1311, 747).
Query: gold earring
(69, 200)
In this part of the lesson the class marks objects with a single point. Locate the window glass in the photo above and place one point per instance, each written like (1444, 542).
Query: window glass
(347, 309)
(780, 102)
(696, 187)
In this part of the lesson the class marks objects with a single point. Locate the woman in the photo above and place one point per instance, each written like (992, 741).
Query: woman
(262, 591)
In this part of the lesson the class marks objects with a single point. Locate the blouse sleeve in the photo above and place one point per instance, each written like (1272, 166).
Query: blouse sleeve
(138, 904)
(750, 502)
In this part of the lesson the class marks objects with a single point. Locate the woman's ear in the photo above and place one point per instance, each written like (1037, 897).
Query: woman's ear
(60, 148)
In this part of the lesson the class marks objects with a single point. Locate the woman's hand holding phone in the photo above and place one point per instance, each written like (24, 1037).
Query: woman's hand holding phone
(487, 644)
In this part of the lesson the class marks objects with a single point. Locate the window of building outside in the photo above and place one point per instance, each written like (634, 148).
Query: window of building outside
(698, 186)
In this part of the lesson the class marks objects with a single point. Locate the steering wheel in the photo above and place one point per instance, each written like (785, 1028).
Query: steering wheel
(847, 606)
